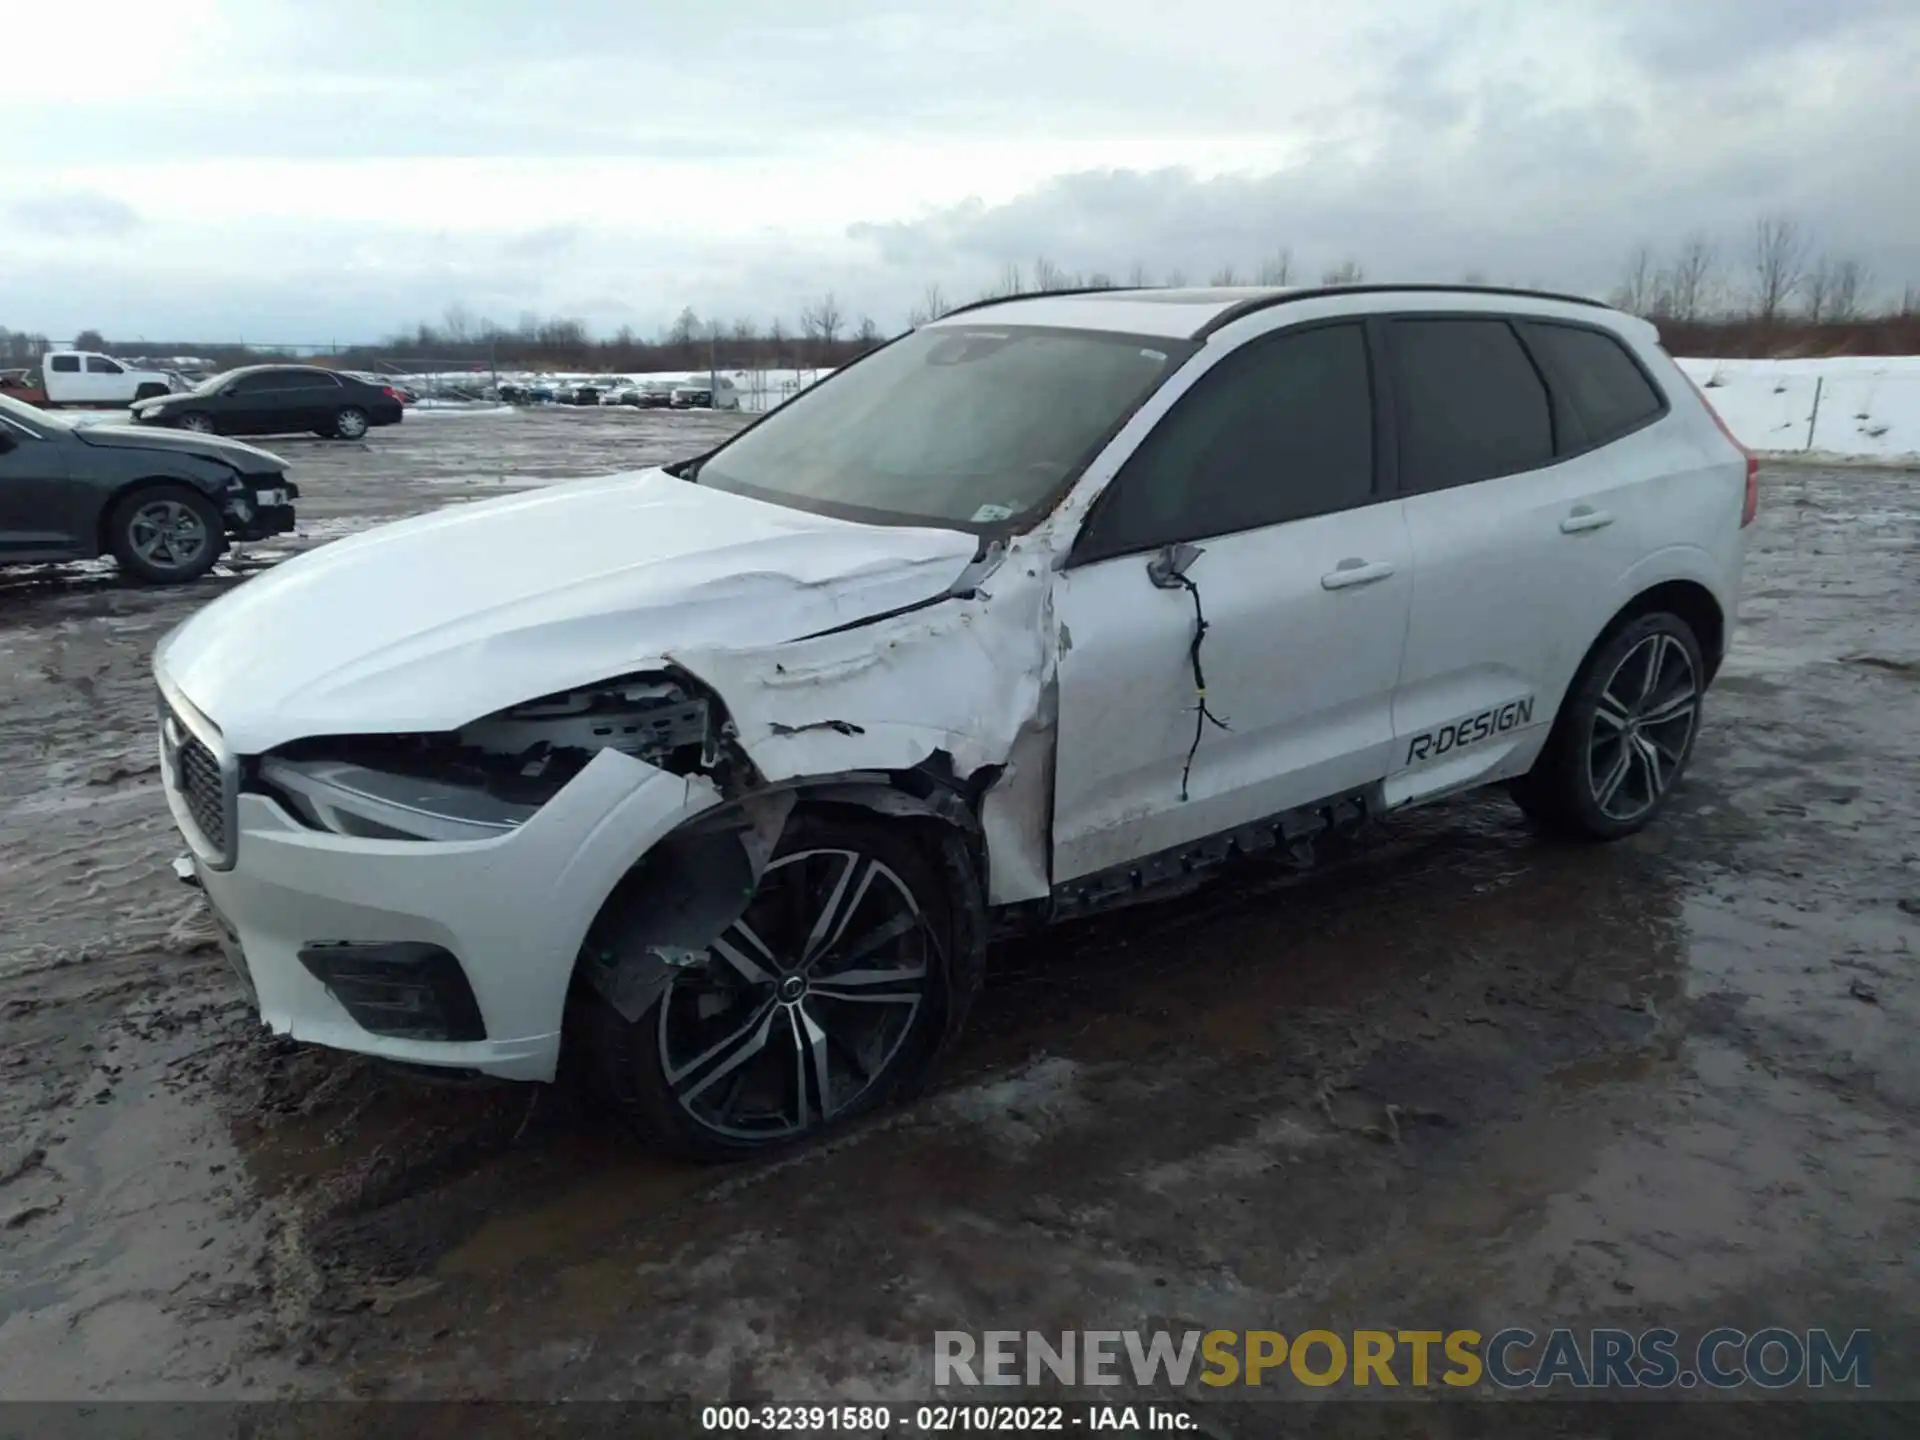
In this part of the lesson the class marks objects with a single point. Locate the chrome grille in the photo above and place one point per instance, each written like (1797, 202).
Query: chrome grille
(201, 784)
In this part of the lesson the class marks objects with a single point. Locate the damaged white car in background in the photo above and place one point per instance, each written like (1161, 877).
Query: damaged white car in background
(723, 772)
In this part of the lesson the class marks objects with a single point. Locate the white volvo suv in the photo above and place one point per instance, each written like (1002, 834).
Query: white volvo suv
(726, 771)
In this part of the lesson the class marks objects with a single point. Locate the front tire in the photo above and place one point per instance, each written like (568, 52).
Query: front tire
(856, 959)
(1624, 735)
(165, 535)
(350, 424)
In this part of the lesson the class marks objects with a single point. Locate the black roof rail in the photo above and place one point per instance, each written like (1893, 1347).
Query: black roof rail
(1045, 294)
(1263, 302)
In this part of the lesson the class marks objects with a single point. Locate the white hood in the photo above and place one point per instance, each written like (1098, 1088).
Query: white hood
(432, 622)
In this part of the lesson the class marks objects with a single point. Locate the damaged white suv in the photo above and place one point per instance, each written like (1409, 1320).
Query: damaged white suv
(726, 770)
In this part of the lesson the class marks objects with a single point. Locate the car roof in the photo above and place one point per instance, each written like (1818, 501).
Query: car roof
(1196, 312)
(290, 365)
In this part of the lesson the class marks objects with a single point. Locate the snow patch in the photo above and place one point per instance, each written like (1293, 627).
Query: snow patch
(1845, 408)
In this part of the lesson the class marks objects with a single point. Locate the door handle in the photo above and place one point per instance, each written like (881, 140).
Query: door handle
(1585, 517)
(1354, 571)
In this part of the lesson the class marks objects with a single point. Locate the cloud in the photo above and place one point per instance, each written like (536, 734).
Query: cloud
(743, 161)
(77, 214)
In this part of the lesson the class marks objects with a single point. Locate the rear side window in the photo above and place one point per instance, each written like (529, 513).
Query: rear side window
(1280, 430)
(1608, 393)
(65, 364)
(309, 380)
(1472, 406)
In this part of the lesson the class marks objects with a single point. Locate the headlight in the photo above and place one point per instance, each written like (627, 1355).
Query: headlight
(493, 775)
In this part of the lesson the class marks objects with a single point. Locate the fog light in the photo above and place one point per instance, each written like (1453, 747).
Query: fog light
(404, 989)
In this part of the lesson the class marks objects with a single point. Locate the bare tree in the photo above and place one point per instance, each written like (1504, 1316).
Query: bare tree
(1850, 282)
(1474, 277)
(1011, 281)
(1176, 279)
(1277, 269)
(868, 333)
(1779, 264)
(1225, 275)
(777, 341)
(824, 321)
(1635, 293)
(685, 330)
(1690, 281)
(89, 340)
(933, 301)
(1137, 276)
(1048, 276)
(1101, 280)
(1347, 272)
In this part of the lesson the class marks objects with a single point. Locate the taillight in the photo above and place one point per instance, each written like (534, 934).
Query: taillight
(390, 392)
(1750, 506)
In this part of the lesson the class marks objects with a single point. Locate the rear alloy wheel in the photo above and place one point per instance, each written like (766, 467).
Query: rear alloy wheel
(166, 535)
(195, 421)
(1624, 736)
(350, 423)
(828, 997)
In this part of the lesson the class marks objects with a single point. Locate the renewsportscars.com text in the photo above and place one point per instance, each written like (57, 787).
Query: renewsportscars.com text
(1512, 1359)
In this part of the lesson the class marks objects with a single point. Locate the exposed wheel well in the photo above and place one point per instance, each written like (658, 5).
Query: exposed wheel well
(102, 542)
(1693, 603)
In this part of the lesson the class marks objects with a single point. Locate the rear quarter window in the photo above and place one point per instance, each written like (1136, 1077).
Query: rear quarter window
(1597, 379)
(65, 364)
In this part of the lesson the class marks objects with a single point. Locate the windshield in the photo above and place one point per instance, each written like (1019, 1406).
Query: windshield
(968, 428)
(32, 417)
(214, 382)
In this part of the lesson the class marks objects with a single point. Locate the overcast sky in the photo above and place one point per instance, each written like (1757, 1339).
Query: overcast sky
(309, 170)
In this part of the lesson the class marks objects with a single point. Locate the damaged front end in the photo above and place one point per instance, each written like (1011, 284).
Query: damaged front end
(256, 507)
(493, 775)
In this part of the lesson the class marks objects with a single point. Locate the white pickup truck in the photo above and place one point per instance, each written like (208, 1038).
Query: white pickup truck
(82, 377)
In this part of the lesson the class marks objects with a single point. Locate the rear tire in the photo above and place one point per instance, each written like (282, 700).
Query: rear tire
(763, 1046)
(165, 534)
(350, 424)
(198, 423)
(1624, 734)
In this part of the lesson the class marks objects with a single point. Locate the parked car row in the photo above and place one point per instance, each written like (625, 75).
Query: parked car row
(718, 392)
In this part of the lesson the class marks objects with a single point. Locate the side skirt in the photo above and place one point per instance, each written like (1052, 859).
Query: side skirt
(1294, 834)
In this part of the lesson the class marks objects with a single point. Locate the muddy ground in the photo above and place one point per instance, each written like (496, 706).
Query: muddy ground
(1463, 1078)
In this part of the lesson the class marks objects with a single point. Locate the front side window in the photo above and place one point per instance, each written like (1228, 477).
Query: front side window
(265, 381)
(976, 428)
(1280, 430)
(1472, 407)
(100, 365)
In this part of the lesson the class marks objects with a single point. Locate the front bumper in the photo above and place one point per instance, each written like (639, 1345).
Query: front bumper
(512, 912)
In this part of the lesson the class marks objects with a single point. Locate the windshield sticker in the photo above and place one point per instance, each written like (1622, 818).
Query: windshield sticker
(1154, 354)
(992, 512)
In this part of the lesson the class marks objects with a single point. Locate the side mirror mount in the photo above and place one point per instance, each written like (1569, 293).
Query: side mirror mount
(7, 442)
(1170, 563)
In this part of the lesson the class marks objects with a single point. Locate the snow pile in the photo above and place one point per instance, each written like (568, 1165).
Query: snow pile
(1854, 407)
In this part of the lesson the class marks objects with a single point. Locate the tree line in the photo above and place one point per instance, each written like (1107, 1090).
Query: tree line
(1773, 290)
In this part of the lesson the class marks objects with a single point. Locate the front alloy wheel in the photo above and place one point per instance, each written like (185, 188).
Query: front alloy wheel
(165, 535)
(827, 997)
